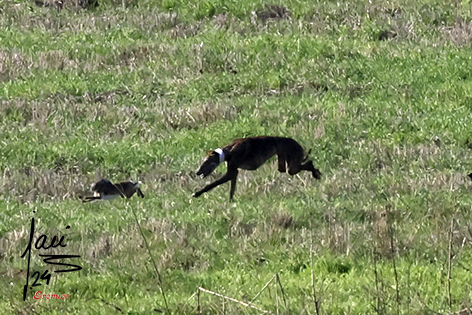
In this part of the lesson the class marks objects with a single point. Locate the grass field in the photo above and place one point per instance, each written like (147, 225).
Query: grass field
(380, 91)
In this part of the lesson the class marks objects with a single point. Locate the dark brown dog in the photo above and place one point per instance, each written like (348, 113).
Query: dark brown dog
(250, 153)
(104, 189)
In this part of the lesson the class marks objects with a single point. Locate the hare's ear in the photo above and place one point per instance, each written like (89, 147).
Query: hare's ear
(209, 152)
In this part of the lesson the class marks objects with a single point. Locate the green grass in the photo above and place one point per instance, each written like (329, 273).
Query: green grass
(140, 90)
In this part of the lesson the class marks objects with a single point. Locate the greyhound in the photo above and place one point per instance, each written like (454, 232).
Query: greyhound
(250, 154)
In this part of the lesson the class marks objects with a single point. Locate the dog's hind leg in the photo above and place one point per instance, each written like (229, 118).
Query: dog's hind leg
(308, 166)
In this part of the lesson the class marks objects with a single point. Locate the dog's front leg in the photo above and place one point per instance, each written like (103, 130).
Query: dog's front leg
(233, 186)
(230, 174)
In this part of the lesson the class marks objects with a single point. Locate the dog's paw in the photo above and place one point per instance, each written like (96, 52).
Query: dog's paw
(316, 174)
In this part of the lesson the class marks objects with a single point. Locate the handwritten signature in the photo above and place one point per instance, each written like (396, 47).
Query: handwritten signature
(42, 243)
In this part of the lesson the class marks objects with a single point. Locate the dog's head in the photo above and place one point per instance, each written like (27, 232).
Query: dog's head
(211, 162)
(138, 190)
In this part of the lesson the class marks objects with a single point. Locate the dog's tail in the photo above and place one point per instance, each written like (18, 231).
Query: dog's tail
(306, 156)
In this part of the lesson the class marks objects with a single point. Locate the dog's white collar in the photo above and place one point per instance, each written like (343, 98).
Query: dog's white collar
(221, 154)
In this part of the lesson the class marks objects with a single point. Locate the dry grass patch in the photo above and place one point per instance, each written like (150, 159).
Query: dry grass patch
(10, 242)
(67, 4)
(460, 34)
(32, 184)
(182, 30)
(274, 12)
(196, 116)
(238, 228)
(13, 64)
(53, 59)
(382, 225)
(283, 220)
(173, 247)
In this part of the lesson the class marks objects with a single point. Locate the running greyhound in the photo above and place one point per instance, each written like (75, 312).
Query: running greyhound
(250, 154)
